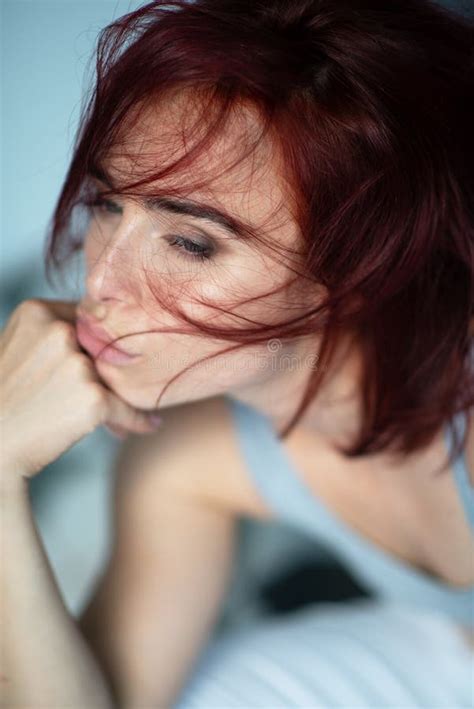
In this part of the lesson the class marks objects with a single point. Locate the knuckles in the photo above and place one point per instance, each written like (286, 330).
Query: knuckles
(25, 312)
(31, 307)
(33, 312)
(52, 344)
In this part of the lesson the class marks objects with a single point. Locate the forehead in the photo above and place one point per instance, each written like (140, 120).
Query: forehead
(230, 170)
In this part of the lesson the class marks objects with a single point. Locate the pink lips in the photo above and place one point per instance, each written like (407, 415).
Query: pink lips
(94, 339)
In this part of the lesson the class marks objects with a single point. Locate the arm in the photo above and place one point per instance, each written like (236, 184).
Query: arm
(45, 659)
(162, 589)
(174, 516)
(51, 398)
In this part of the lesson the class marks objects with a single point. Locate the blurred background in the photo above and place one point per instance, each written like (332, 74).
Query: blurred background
(46, 47)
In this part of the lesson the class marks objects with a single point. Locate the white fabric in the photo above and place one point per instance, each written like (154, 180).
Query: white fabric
(364, 653)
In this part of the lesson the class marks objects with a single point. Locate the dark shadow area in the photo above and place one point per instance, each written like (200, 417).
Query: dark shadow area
(309, 583)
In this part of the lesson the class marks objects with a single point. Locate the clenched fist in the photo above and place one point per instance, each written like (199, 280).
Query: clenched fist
(51, 395)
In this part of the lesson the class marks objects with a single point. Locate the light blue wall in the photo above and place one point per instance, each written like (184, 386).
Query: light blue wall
(46, 46)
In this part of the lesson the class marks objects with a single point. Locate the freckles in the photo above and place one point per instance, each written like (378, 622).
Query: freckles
(211, 291)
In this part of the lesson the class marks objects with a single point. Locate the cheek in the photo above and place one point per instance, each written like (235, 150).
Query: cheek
(176, 370)
(243, 287)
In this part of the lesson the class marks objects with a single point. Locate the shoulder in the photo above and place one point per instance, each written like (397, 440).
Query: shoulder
(195, 452)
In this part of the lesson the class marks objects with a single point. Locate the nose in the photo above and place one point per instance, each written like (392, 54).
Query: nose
(97, 311)
(106, 277)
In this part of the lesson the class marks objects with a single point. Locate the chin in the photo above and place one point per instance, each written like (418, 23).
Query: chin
(139, 400)
(172, 397)
(145, 397)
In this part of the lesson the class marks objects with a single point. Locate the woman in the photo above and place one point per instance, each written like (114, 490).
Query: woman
(280, 238)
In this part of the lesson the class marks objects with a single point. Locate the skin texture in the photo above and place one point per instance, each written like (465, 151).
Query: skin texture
(125, 238)
(51, 393)
(257, 375)
(175, 506)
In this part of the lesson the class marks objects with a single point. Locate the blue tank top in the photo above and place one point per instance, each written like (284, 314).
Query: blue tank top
(289, 497)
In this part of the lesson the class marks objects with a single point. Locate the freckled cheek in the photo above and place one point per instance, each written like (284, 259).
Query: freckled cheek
(166, 355)
(212, 291)
(245, 298)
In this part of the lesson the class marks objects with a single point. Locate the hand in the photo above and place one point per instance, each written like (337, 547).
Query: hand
(51, 393)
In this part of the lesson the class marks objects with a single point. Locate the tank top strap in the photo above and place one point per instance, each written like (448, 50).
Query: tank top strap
(271, 473)
(291, 500)
(280, 487)
(287, 495)
(461, 473)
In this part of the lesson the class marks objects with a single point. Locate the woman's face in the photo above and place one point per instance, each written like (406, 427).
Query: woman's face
(132, 249)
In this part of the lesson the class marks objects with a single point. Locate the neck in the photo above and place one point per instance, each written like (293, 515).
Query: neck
(334, 413)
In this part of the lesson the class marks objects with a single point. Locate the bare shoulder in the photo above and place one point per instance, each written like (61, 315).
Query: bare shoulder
(195, 452)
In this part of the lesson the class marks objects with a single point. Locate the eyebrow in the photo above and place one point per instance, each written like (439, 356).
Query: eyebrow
(197, 210)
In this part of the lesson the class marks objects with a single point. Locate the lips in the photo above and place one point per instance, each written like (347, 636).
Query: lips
(94, 339)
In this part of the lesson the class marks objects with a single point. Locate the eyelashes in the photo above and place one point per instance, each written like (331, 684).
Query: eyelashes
(191, 248)
(187, 248)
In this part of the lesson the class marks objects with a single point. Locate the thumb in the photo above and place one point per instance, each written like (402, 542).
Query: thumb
(121, 418)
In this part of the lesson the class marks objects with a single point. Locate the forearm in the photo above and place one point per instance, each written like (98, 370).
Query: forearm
(45, 658)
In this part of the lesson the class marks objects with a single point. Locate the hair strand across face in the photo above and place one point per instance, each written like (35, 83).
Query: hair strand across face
(370, 112)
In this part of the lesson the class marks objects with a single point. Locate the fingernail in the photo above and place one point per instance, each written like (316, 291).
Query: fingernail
(155, 420)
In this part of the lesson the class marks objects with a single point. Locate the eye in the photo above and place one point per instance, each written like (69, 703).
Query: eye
(192, 249)
(188, 248)
(100, 204)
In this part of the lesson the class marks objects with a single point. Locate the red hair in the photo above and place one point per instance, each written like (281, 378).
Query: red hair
(371, 105)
